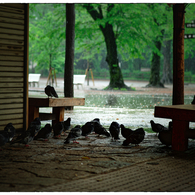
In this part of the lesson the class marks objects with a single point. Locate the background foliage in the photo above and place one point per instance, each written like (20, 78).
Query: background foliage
(135, 29)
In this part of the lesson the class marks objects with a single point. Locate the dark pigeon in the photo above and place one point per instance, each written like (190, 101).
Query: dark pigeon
(11, 130)
(165, 137)
(73, 135)
(156, 127)
(135, 137)
(4, 137)
(87, 128)
(125, 132)
(50, 91)
(7, 134)
(193, 101)
(114, 130)
(26, 136)
(67, 124)
(44, 133)
(100, 130)
(58, 128)
(36, 123)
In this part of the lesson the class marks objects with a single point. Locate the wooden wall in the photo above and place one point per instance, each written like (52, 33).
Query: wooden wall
(14, 65)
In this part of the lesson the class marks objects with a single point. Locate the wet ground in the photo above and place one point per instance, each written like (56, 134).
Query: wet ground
(131, 108)
(98, 163)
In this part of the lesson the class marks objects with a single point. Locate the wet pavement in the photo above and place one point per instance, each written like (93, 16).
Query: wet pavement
(53, 166)
(97, 163)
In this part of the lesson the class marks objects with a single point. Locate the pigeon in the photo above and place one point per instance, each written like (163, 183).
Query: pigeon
(96, 120)
(193, 101)
(73, 135)
(4, 137)
(114, 130)
(37, 123)
(125, 131)
(67, 124)
(135, 137)
(156, 127)
(50, 91)
(7, 134)
(58, 128)
(87, 128)
(11, 130)
(100, 130)
(44, 133)
(26, 136)
(165, 137)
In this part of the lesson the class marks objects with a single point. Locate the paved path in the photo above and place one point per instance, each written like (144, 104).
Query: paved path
(96, 164)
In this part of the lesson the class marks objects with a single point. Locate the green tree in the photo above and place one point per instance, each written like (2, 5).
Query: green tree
(159, 16)
(119, 25)
(45, 38)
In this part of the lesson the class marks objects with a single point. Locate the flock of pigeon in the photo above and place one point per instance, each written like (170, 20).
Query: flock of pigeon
(35, 132)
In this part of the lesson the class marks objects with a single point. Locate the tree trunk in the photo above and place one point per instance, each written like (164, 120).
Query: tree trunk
(167, 77)
(178, 53)
(69, 58)
(116, 77)
(155, 68)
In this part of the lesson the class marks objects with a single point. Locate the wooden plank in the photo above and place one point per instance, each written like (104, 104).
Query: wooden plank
(13, 58)
(11, 42)
(12, 31)
(13, 37)
(177, 112)
(12, 69)
(11, 26)
(7, 106)
(11, 80)
(11, 9)
(11, 95)
(11, 74)
(14, 5)
(3, 13)
(12, 53)
(5, 85)
(11, 116)
(56, 102)
(8, 90)
(11, 111)
(12, 47)
(11, 21)
(10, 101)
(11, 63)
(13, 121)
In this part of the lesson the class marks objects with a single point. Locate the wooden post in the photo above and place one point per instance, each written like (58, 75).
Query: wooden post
(178, 53)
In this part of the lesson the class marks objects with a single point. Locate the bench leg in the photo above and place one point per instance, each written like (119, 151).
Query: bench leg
(179, 136)
(59, 114)
(33, 113)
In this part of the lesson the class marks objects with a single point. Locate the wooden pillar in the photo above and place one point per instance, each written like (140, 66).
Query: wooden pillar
(69, 57)
(178, 53)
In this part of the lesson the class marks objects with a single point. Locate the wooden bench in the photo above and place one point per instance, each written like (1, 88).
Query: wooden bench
(34, 78)
(57, 105)
(181, 115)
(79, 80)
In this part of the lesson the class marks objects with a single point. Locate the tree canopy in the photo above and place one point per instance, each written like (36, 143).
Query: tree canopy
(134, 27)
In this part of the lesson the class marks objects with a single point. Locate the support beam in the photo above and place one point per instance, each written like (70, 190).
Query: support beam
(178, 53)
